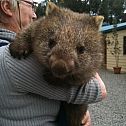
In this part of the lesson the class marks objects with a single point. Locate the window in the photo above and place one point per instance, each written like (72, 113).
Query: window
(124, 45)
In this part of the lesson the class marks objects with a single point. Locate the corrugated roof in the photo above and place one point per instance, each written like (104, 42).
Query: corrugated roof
(107, 29)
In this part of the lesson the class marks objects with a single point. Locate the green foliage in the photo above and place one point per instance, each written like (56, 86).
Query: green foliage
(40, 11)
(75, 5)
(107, 8)
(103, 10)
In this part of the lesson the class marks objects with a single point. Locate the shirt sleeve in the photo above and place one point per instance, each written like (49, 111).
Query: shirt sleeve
(26, 77)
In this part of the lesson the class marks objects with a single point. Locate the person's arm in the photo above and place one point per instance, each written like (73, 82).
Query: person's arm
(87, 119)
(26, 76)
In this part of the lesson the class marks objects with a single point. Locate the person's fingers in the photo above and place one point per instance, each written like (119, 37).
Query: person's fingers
(87, 119)
(102, 85)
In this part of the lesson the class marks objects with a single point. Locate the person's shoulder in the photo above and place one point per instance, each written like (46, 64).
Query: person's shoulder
(29, 63)
(5, 53)
(2, 51)
(23, 70)
(3, 42)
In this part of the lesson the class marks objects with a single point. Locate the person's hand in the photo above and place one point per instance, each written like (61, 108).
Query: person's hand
(102, 85)
(87, 119)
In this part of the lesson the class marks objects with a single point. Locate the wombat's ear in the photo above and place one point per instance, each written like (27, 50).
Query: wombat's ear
(51, 8)
(98, 21)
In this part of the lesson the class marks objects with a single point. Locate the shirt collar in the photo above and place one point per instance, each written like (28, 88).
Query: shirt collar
(7, 35)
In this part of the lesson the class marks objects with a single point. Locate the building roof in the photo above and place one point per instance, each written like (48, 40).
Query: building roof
(107, 29)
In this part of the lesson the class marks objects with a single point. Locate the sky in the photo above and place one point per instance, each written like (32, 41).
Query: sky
(38, 1)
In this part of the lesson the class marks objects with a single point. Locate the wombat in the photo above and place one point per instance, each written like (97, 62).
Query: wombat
(68, 45)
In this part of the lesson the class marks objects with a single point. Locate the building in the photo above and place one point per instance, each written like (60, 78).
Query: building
(109, 58)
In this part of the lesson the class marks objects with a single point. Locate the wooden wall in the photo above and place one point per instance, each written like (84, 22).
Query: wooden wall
(110, 60)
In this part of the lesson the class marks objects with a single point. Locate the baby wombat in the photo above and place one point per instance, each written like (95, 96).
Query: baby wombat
(68, 45)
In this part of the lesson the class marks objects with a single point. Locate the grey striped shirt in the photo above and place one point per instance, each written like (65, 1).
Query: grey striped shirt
(27, 100)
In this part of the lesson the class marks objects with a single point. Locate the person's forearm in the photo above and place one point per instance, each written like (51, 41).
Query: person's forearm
(30, 80)
(88, 94)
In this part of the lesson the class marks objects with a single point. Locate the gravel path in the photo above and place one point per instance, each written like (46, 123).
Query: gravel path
(112, 110)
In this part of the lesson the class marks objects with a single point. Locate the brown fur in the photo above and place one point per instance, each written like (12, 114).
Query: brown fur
(68, 45)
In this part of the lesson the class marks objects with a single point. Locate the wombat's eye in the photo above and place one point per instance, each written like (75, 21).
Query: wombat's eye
(51, 43)
(80, 49)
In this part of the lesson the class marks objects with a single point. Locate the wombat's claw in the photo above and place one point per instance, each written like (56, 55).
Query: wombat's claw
(25, 54)
(19, 54)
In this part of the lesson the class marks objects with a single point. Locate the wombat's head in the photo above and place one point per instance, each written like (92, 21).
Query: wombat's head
(67, 43)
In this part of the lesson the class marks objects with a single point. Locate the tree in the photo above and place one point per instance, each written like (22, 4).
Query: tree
(103, 10)
(75, 5)
(107, 8)
(40, 11)
(94, 5)
(116, 8)
(113, 45)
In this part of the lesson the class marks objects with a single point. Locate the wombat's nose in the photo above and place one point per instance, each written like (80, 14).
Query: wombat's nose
(61, 68)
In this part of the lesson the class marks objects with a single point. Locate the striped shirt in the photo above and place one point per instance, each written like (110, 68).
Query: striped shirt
(27, 100)
(6, 37)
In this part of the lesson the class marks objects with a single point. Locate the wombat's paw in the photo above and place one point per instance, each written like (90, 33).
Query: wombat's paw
(19, 50)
